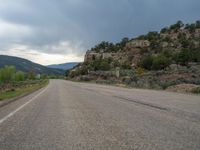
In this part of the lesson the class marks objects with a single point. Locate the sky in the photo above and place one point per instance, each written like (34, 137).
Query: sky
(60, 31)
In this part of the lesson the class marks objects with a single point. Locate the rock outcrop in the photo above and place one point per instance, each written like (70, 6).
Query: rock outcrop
(155, 60)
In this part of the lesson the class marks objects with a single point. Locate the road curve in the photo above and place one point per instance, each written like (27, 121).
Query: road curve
(79, 116)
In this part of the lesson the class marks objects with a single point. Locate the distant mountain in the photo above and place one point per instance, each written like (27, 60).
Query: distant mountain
(27, 66)
(65, 66)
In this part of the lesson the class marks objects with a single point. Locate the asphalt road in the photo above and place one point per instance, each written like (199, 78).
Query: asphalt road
(80, 116)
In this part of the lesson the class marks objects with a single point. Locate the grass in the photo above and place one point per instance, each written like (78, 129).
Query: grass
(18, 91)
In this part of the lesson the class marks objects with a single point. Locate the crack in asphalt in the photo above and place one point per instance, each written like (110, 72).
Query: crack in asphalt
(142, 103)
(178, 113)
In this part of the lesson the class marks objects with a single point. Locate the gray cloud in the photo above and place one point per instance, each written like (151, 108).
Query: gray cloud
(73, 26)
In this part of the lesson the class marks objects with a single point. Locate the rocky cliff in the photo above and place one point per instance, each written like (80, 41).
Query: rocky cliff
(155, 60)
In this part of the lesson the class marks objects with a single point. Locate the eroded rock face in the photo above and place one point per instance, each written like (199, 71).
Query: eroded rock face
(130, 54)
(138, 44)
(90, 56)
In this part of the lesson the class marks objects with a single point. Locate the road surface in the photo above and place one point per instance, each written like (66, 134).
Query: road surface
(79, 116)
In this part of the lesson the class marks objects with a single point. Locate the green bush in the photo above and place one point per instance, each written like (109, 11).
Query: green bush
(126, 65)
(144, 50)
(19, 76)
(116, 63)
(160, 62)
(7, 74)
(31, 75)
(152, 36)
(101, 64)
(190, 27)
(177, 25)
(84, 70)
(196, 90)
(167, 39)
(67, 72)
(147, 62)
(155, 62)
(164, 30)
(107, 46)
(104, 65)
(196, 55)
(169, 53)
(198, 24)
(184, 56)
(123, 42)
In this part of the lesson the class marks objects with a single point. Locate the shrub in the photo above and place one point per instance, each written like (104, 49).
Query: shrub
(196, 55)
(19, 76)
(124, 41)
(142, 37)
(177, 25)
(155, 44)
(101, 64)
(31, 75)
(184, 56)
(164, 30)
(116, 63)
(155, 62)
(196, 90)
(144, 50)
(139, 71)
(160, 62)
(167, 39)
(126, 65)
(67, 72)
(190, 27)
(152, 36)
(72, 74)
(168, 53)
(84, 70)
(7, 74)
(106, 47)
(44, 76)
(184, 41)
(147, 62)
(198, 24)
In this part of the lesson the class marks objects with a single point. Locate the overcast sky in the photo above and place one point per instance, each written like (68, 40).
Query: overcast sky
(58, 31)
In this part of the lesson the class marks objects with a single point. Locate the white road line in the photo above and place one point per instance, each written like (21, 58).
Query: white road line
(19, 108)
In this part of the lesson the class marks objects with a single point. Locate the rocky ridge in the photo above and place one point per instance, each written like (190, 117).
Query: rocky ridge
(156, 60)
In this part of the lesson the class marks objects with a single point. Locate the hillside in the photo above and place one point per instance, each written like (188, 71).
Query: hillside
(64, 66)
(28, 66)
(156, 60)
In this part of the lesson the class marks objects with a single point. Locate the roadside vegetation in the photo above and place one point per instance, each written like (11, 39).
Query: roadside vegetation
(15, 83)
